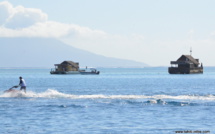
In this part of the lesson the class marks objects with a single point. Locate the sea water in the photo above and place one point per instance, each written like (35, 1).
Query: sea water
(118, 100)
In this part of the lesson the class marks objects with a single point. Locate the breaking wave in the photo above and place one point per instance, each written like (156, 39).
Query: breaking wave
(50, 93)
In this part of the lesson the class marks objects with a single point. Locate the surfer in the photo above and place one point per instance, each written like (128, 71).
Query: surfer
(22, 84)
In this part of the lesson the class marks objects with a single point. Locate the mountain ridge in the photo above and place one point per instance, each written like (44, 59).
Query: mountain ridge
(45, 52)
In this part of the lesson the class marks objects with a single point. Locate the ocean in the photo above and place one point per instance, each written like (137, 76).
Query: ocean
(118, 101)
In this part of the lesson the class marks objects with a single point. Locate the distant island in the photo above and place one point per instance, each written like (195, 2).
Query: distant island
(44, 52)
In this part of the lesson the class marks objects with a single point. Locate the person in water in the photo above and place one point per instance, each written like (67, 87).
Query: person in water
(22, 84)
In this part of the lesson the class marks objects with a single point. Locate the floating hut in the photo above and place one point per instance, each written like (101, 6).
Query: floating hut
(186, 64)
(66, 67)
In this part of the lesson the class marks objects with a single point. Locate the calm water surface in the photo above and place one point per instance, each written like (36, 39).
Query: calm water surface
(119, 100)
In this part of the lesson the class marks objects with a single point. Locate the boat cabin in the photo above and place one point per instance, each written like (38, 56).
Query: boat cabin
(186, 64)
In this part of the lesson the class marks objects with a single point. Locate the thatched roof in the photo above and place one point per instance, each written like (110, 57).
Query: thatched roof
(74, 64)
(188, 58)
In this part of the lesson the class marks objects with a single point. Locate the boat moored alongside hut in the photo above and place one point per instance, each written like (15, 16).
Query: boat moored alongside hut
(70, 67)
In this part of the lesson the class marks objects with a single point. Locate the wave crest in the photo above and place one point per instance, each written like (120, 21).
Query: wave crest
(50, 93)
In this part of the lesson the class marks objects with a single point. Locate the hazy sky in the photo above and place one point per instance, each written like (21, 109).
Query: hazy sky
(150, 31)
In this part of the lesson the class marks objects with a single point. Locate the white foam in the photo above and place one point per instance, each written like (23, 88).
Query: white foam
(50, 93)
